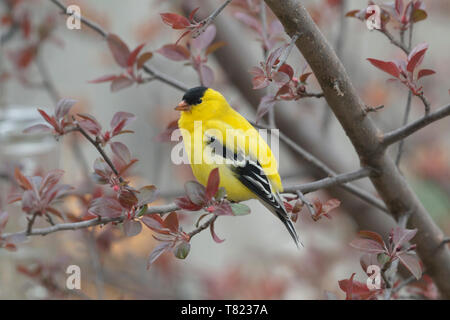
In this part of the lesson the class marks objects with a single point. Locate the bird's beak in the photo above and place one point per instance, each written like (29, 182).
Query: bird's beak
(183, 106)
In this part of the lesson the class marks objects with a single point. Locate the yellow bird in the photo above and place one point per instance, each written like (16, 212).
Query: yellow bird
(217, 136)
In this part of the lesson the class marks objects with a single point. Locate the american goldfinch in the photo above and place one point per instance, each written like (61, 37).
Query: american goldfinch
(217, 136)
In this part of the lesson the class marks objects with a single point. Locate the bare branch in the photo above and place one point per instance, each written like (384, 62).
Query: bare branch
(330, 181)
(203, 226)
(405, 131)
(206, 22)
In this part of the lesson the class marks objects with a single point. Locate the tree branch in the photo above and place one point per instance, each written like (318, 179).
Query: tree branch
(405, 121)
(405, 131)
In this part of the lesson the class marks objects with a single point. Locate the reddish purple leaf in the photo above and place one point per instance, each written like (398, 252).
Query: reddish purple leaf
(127, 199)
(37, 128)
(367, 245)
(174, 52)
(371, 235)
(411, 262)
(223, 209)
(260, 82)
(171, 222)
(132, 228)
(416, 55)
(120, 83)
(121, 151)
(399, 7)
(401, 236)
(195, 192)
(147, 195)
(63, 107)
(106, 207)
(153, 222)
(50, 120)
(205, 39)
(143, 58)
(89, 123)
(3, 220)
(287, 69)
(186, 204)
(387, 66)
(133, 55)
(120, 120)
(107, 78)
(119, 50)
(280, 78)
(214, 235)
(213, 184)
(424, 73)
(21, 180)
(176, 21)
(159, 250)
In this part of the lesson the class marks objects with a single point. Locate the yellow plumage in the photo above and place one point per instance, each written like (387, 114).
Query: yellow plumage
(206, 116)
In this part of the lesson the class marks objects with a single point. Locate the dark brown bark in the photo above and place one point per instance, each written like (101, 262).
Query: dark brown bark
(365, 137)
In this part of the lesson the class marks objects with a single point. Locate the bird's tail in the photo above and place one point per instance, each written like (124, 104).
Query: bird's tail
(289, 226)
(279, 210)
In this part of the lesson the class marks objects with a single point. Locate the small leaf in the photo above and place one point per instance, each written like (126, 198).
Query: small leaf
(119, 50)
(418, 15)
(143, 58)
(195, 192)
(213, 184)
(214, 235)
(214, 47)
(176, 21)
(121, 151)
(416, 55)
(371, 235)
(387, 66)
(120, 120)
(204, 39)
(120, 83)
(240, 209)
(174, 52)
(106, 207)
(131, 228)
(186, 204)
(133, 55)
(157, 251)
(411, 262)
(424, 73)
(367, 245)
(305, 76)
(147, 195)
(153, 221)
(401, 236)
(127, 199)
(23, 181)
(182, 250)
(63, 107)
(171, 222)
(38, 128)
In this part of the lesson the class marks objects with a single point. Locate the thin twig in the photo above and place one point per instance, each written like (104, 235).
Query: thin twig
(308, 204)
(330, 181)
(405, 131)
(99, 148)
(393, 40)
(203, 226)
(30, 223)
(206, 22)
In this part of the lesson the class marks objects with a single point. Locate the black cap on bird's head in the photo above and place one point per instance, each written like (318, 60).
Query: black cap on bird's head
(192, 97)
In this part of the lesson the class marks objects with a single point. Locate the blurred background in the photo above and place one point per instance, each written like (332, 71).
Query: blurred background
(258, 259)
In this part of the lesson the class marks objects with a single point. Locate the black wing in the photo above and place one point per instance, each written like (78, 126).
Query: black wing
(251, 174)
